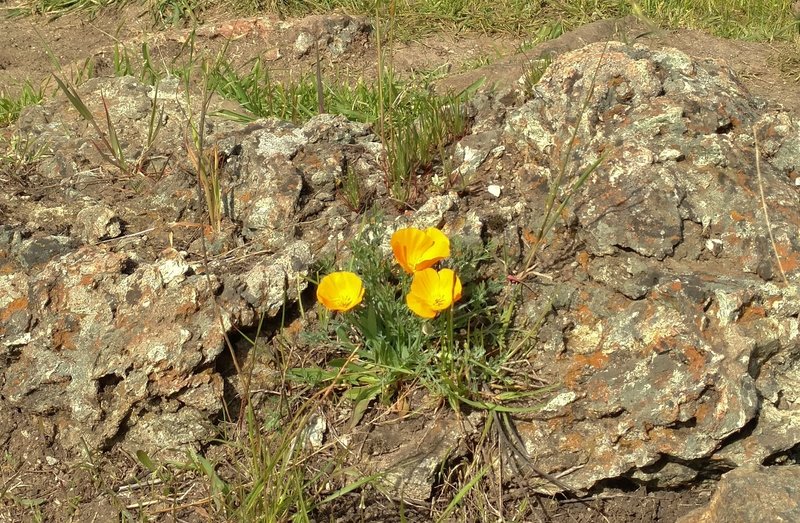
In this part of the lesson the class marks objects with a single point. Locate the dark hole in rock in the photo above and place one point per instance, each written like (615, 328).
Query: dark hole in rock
(105, 388)
(107, 383)
(444, 474)
(621, 484)
(787, 457)
(742, 433)
(613, 414)
(725, 128)
(262, 333)
(119, 437)
(625, 248)
(710, 470)
(128, 266)
(688, 424)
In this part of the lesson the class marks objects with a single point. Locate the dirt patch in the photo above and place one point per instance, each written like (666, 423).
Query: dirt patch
(768, 70)
(662, 506)
(638, 506)
(33, 48)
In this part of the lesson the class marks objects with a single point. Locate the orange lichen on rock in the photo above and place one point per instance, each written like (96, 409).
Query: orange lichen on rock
(64, 339)
(790, 259)
(16, 305)
(738, 217)
(752, 312)
(583, 260)
(696, 360)
(595, 360)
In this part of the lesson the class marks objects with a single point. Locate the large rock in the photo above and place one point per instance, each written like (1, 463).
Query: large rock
(104, 339)
(115, 295)
(753, 493)
(675, 338)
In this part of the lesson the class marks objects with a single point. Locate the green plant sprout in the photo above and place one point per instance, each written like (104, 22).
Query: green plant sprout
(21, 155)
(414, 123)
(204, 159)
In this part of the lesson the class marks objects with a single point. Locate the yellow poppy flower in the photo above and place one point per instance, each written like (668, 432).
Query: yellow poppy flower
(340, 291)
(432, 292)
(416, 250)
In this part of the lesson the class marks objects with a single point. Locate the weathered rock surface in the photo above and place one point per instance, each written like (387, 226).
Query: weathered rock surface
(753, 493)
(678, 342)
(112, 322)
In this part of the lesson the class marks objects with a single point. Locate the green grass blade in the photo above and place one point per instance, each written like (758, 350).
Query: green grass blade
(75, 99)
(462, 492)
(350, 487)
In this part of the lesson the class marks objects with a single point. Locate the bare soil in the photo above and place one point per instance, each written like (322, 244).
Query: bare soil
(63, 486)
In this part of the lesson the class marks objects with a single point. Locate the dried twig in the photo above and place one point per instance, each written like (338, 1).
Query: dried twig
(764, 207)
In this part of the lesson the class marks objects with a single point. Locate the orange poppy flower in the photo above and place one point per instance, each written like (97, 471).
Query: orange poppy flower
(417, 250)
(340, 291)
(432, 292)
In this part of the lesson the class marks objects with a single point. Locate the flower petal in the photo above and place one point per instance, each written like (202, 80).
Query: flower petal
(408, 245)
(439, 250)
(417, 250)
(425, 283)
(449, 280)
(340, 291)
(432, 292)
(419, 306)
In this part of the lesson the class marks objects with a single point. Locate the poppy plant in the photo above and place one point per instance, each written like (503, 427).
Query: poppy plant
(340, 291)
(433, 291)
(417, 250)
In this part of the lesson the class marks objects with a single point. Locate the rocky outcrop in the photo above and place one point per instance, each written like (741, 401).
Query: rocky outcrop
(115, 300)
(669, 325)
(677, 341)
(668, 321)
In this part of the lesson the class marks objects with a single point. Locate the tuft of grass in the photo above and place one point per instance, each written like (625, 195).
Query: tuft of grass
(414, 123)
(533, 72)
(561, 190)
(21, 154)
(758, 20)
(143, 69)
(268, 468)
(167, 13)
(11, 104)
(352, 191)
(546, 32)
(109, 145)
(205, 159)
(58, 8)
(206, 163)
(260, 96)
